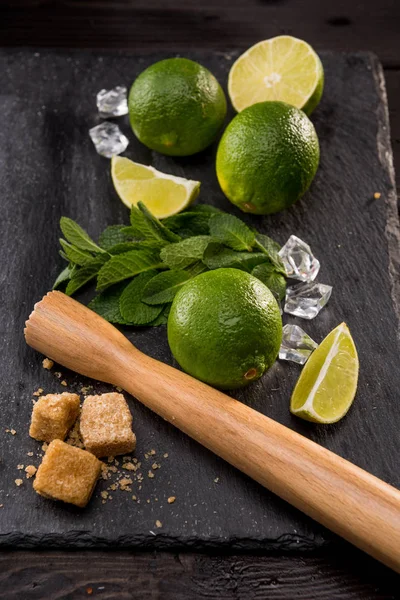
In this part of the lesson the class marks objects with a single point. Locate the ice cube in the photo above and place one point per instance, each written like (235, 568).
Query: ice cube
(108, 139)
(112, 103)
(298, 260)
(305, 300)
(297, 345)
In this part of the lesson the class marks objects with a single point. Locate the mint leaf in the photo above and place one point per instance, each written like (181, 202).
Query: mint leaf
(78, 236)
(186, 252)
(232, 232)
(267, 273)
(113, 235)
(162, 318)
(132, 308)
(188, 224)
(196, 269)
(142, 245)
(217, 256)
(106, 304)
(263, 271)
(74, 254)
(64, 276)
(144, 225)
(163, 287)
(86, 273)
(205, 208)
(277, 284)
(129, 264)
(137, 245)
(270, 249)
(124, 247)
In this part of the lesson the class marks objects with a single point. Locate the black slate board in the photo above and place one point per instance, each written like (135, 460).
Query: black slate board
(48, 168)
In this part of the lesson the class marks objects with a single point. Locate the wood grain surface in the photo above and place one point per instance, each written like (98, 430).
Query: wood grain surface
(222, 25)
(346, 574)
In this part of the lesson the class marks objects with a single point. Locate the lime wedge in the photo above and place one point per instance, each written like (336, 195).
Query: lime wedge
(282, 68)
(164, 195)
(327, 385)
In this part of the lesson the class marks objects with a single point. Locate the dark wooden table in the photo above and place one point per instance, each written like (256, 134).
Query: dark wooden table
(222, 25)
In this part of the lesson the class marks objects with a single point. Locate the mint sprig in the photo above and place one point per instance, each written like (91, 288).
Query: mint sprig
(140, 267)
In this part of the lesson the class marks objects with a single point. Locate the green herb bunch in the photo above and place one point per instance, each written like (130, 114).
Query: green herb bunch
(140, 268)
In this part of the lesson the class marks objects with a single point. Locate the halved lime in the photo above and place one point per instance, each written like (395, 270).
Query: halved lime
(281, 68)
(327, 385)
(164, 195)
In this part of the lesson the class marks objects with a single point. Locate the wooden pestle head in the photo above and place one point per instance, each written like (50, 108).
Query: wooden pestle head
(76, 337)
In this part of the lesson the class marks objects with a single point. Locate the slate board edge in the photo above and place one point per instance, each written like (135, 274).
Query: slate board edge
(82, 539)
(392, 208)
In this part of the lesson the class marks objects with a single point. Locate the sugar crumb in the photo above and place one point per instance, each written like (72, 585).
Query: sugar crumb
(377, 195)
(158, 523)
(171, 499)
(38, 392)
(166, 455)
(129, 466)
(216, 480)
(29, 453)
(125, 483)
(85, 389)
(58, 374)
(64, 383)
(47, 364)
(45, 446)
(19, 482)
(30, 471)
(150, 474)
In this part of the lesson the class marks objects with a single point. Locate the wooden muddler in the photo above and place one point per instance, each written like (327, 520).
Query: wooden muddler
(349, 501)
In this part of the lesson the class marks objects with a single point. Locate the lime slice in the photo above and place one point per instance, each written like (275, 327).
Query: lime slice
(283, 68)
(164, 195)
(327, 385)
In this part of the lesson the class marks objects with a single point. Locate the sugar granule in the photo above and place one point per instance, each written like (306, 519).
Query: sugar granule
(19, 482)
(30, 471)
(47, 364)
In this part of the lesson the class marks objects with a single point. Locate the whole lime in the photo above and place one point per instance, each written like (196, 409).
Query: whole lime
(176, 107)
(225, 328)
(267, 157)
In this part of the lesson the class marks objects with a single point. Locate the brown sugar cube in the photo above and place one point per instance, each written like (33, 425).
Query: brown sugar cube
(53, 415)
(67, 473)
(106, 425)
